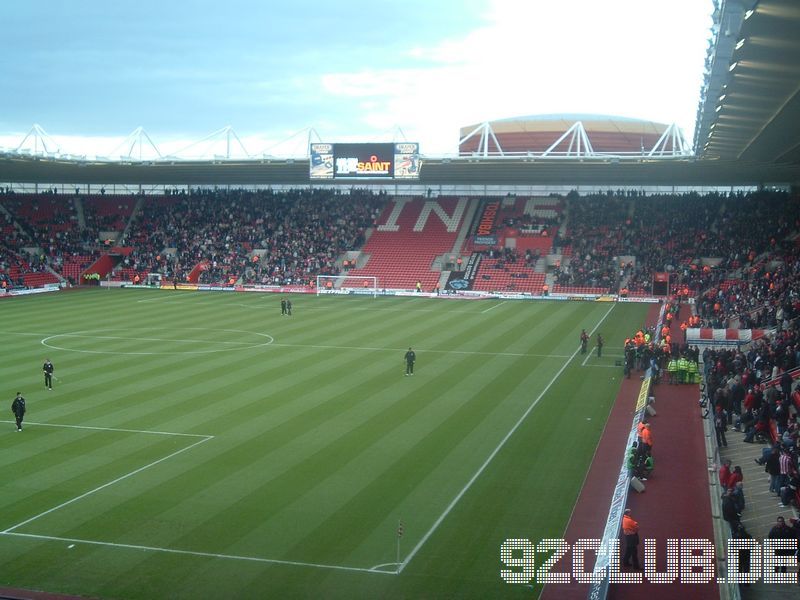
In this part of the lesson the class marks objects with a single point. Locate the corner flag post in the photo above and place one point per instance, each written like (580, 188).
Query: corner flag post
(399, 535)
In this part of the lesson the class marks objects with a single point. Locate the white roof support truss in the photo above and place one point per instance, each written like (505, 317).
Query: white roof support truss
(138, 138)
(227, 133)
(41, 140)
(671, 143)
(487, 134)
(579, 144)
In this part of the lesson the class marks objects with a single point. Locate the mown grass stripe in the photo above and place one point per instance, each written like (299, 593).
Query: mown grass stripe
(320, 438)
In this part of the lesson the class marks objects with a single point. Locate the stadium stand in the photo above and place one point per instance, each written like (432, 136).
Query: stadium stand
(743, 272)
(252, 237)
(108, 213)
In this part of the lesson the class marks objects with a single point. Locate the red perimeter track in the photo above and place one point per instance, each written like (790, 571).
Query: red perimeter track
(676, 502)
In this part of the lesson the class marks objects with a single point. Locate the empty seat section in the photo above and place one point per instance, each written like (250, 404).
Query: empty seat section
(401, 258)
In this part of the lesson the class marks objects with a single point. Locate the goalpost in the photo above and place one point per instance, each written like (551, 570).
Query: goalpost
(347, 284)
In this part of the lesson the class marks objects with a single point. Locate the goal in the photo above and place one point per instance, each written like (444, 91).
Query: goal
(347, 284)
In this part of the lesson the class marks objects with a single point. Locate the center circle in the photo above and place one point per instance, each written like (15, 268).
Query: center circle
(168, 337)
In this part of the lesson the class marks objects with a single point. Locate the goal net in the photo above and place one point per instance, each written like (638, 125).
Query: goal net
(347, 284)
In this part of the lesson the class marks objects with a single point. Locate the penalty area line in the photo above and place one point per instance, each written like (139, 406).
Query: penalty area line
(275, 561)
(494, 453)
(89, 427)
(483, 312)
(105, 485)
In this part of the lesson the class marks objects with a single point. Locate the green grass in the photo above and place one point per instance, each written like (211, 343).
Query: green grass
(307, 443)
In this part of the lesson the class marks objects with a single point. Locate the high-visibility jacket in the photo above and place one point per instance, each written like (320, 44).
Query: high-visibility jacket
(629, 526)
(646, 436)
(633, 455)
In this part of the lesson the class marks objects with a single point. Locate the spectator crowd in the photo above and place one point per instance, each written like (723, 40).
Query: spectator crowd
(735, 253)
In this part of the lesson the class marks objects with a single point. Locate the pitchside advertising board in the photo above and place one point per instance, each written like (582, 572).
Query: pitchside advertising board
(365, 161)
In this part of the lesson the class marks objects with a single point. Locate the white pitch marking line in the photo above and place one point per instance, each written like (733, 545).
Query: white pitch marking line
(586, 474)
(105, 485)
(197, 553)
(485, 464)
(371, 349)
(136, 339)
(493, 307)
(200, 435)
(308, 308)
(182, 295)
(317, 346)
(24, 333)
(377, 568)
(241, 345)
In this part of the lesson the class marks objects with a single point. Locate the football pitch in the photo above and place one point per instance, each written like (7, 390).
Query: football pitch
(202, 445)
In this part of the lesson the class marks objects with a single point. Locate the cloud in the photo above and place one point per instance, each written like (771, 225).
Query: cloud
(505, 58)
(625, 59)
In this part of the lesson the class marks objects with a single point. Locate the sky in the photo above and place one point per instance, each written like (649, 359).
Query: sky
(91, 71)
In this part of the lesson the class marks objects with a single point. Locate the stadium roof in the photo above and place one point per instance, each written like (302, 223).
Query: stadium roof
(750, 110)
(747, 132)
(571, 118)
(434, 172)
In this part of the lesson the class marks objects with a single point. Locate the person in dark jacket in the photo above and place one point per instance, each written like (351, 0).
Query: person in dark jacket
(729, 512)
(744, 555)
(786, 385)
(781, 531)
(411, 358)
(773, 468)
(47, 369)
(18, 408)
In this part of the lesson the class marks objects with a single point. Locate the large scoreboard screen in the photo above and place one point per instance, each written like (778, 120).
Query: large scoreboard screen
(365, 161)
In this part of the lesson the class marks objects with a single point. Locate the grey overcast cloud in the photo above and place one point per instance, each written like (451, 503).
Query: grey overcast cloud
(90, 72)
